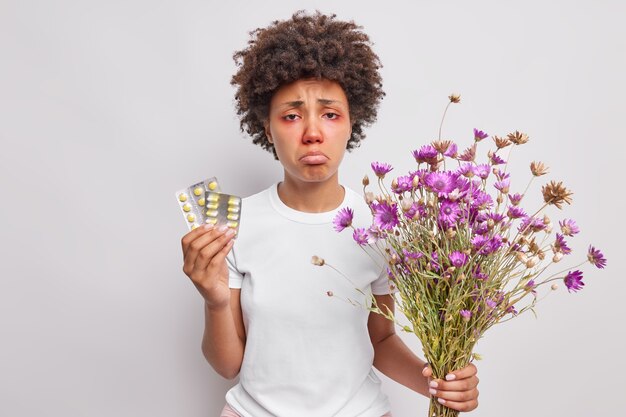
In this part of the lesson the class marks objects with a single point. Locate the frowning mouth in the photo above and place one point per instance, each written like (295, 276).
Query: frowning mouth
(314, 158)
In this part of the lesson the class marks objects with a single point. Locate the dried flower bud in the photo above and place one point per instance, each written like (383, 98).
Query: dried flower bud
(454, 98)
(461, 276)
(554, 287)
(490, 223)
(316, 260)
(406, 204)
(557, 257)
(416, 181)
(366, 181)
(532, 262)
(521, 256)
(546, 219)
(394, 184)
(556, 194)
(450, 233)
(538, 168)
(517, 138)
(441, 145)
(499, 198)
(329, 293)
(548, 228)
(541, 255)
(500, 143)
(369, 197)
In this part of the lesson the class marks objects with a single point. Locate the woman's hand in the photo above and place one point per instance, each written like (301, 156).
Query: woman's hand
(458, 391)
(204, 252)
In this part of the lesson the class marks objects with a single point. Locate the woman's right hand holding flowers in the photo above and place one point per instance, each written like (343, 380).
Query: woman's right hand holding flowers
(204, 252)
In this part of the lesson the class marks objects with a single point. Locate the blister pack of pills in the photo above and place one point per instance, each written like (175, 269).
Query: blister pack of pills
(223, 209)
(192, 201)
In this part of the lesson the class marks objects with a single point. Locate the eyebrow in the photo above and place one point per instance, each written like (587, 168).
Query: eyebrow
(299, 103)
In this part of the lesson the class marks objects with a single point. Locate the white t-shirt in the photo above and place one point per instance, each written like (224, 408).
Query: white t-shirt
(307, 354)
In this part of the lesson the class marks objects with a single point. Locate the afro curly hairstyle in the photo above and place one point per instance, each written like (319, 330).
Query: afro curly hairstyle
(306, 46)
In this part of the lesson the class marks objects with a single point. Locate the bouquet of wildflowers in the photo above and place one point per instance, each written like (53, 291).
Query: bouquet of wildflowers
(460, 247)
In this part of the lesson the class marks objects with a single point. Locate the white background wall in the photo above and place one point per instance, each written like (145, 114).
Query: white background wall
(108, 107)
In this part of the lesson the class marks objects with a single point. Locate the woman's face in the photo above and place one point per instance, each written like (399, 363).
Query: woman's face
(309, 125)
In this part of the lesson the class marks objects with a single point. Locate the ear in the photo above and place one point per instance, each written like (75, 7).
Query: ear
(267, 131)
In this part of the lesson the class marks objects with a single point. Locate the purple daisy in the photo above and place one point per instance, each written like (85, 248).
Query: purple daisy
(343, 219)
(452, 151)
(569, 227)
(515, 212)
(411, 256)
(503, 186)
(531, 224)
(560, 245)
(441, 182)
(479, 135)
(490, 303)
(466, 169)
(360, 236)
(381, 168)
(574, 281)
(596, 257)
(465, 314)
(481, 228)
(458, 259)
(426, 153)
(385, 215)
(476, 273)
(404, 183)
(496, 160)
(449, 213)
(496, 217)
(482, 170)
(468, 154)
(515, 199)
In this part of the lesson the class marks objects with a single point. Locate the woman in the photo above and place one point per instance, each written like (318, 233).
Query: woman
(306, 87)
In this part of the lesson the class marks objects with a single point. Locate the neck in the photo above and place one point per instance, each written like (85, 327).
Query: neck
(311, 197)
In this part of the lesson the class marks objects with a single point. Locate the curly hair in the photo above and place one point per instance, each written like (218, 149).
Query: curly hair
(306, 46)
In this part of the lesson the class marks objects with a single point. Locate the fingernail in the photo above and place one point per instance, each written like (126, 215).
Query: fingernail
(230, 232)
(450, 377)
(441, 400)
(208, 226)
(432, 391)
(222, 228)
(433, 384)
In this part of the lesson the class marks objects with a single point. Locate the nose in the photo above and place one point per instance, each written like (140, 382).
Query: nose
(312, 132)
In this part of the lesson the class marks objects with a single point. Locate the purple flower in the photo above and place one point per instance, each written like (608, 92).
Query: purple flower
(490, 303)
(434, 263)
(458, 259)
(482, 171)
(468, 154)
(515, 212)
(381, 168)
(465, 314)
(411, 256)
(596, 257)
(569, 227)
(405, 183)
(496, 160)
(385, 215)
(466, 169)
(560, 245)
(515, 198)
(530, 284)
(481, 200)
(501, 175)
(476, 273)
(574, 281)
(343, 219)
(503, 186)
(496, 217)
(481, 228)
(360, 236)
(426, 153)
(479, 135)
(441, 182)
(451, 151)
(512, 310)
(449, 213)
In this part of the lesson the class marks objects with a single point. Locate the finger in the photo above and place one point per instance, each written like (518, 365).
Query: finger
(197, 245)
(207, 254)
(427, 370)
(467, 372)
(460, 406)
(466, 384)
(193, 235)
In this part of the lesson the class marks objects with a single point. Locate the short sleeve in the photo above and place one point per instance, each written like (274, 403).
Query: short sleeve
(235, 277)
(383, 285)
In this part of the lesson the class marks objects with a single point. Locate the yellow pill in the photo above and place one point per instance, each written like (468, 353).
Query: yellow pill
(182, 197)
(212, 206)
(212, 185)
(186, 207)
(233, 209)
(213, 197)
(195, 226)
(191, 217)
(232, 225)
(211, 220)
(201, 202)
(198, 191)
(211, 213)
(233, 216)
(234, 201)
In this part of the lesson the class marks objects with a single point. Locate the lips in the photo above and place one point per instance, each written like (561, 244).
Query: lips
(314, 158)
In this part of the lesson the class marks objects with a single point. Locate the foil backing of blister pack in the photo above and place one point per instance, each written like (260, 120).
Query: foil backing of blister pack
(192, 201)
(223, 209)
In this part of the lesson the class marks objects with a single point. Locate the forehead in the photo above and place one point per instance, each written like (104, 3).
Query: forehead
(309, 88)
